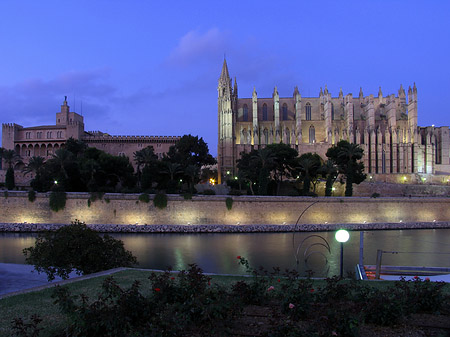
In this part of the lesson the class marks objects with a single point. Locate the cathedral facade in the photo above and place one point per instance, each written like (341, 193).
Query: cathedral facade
(44, 140)
(385, 127)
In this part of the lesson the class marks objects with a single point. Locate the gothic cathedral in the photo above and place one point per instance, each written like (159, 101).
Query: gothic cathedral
(395, 148)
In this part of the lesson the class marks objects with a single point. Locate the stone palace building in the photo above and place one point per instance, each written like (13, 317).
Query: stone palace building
(45, 140)
(395, 148)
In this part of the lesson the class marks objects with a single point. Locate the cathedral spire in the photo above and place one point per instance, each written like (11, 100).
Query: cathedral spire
(361, 95)
(224, 75)
(235, 88)
(380, 93)
(341, 94)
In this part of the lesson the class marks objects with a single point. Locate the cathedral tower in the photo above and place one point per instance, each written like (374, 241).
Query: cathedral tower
(226, 121)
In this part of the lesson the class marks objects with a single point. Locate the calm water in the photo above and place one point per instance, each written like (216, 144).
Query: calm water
(217, 252)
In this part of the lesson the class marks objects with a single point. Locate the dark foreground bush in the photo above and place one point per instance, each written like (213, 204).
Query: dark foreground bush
(76, 248)
(178, 305)
(267, 304)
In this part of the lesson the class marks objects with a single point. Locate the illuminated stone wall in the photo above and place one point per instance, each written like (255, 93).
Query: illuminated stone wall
(126, 209)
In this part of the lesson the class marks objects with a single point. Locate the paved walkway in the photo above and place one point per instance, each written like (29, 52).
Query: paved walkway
(21, 278)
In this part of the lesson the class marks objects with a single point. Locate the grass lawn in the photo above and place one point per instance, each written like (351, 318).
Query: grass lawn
(41, 303)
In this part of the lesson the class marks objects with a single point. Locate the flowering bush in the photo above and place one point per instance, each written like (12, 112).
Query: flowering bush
(186, 304)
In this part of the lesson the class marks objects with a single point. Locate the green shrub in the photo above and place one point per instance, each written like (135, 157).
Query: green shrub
(144, 197)
(89, 202)
(209, 192)
(96, 196)
(375, 195)
(31, 195)
(9, 179)
(187, 196)
(229, 203)
(160, 201)
(107, 200)
(5, 194)
(57, 200)
(76, 248)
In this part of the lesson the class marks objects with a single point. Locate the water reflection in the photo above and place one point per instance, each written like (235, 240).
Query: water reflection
(217, 252)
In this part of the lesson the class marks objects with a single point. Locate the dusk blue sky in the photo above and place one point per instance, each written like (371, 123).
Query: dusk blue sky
(151, 67)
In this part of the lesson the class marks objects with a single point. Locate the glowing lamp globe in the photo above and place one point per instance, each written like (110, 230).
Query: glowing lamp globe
(342, 235)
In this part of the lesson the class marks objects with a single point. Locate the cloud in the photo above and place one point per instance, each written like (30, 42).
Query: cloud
(195, 47)
(28, 102)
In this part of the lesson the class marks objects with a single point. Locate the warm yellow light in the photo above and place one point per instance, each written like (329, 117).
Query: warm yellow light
(333, 188)
(404, 178)
(212, 181)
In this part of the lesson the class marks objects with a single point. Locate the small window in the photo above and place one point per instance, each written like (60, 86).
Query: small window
(288, 136)
(308, 111)
(245, 117)
(49, 135)
(266, 136)
(285, 112)
(332, 111)
(265, 117)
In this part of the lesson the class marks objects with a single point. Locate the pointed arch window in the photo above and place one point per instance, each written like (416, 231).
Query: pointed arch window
(312, 135)
(266, 136)
(265, 117)
(288, 136)
(285, 112)
(332, 111)
(245, 116)
(244, 136)
(308, 111)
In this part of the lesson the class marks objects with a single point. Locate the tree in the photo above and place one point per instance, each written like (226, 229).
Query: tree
(35, 166)
(10, 157)
(347, 157)
(249, 168)
(283, 162)
(190, 150)
(308, 166)
(264, 159)
(76, 248)
(143, 159)
(330, 172)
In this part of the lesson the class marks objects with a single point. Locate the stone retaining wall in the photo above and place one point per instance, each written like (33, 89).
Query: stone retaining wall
(20, 227)
(278, 212)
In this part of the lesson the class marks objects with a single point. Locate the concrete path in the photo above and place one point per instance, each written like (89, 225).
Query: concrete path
(21, 278)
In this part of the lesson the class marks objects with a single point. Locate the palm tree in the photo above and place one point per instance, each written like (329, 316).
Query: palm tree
(10, 157)
(308, 165)
(349, 154)
(62, 157)
(144, 157)
(330, 171)
(172, 169)
(266, 159)
(192, 172)
(35, 165)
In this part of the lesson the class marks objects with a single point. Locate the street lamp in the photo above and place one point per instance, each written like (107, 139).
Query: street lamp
(342, 236)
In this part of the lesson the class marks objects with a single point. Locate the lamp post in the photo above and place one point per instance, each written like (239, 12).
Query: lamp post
(342, 236)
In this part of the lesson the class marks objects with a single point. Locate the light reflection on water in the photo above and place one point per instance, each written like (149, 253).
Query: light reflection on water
(217, 252)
